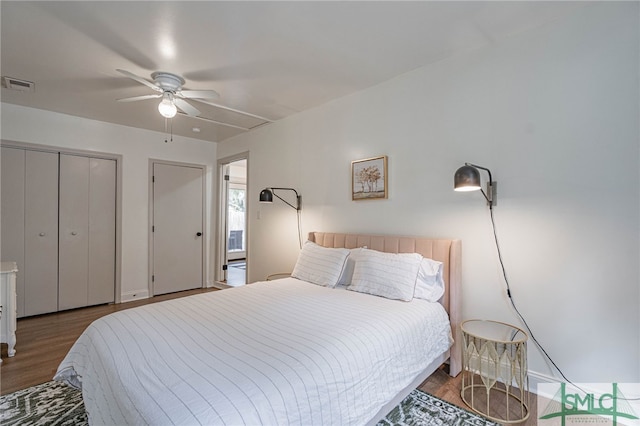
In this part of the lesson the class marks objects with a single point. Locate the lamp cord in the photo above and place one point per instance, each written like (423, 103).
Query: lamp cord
(515, 308)
(513, 304)
(299, 213)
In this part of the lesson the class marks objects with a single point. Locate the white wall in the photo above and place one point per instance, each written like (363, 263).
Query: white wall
(554, 114)
(136, 146)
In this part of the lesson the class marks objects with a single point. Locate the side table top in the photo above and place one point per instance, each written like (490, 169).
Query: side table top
(494, 330)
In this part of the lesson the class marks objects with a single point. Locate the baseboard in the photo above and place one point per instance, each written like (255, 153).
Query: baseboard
(134, 295)
(536, 378)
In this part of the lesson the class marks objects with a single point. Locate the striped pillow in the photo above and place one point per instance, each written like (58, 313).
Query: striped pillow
(320, 265)
(390, 275)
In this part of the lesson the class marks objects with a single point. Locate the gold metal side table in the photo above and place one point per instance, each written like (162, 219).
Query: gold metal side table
(494, 370)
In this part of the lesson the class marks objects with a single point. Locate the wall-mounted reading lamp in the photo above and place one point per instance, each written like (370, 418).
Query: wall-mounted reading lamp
(467, 178)
(267, 194)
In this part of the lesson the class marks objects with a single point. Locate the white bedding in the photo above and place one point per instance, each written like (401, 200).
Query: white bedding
(279, 352)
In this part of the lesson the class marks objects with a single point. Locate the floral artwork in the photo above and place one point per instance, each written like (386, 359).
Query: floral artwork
(369, 178)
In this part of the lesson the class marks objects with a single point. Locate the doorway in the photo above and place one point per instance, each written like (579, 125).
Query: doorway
(177, 227)
(233, 221)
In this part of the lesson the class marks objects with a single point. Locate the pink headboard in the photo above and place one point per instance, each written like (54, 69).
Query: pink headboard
(446, 251)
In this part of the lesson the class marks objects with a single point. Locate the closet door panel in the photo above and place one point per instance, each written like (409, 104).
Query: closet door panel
(74, 232)
(102, 231)
(12, 214)
(41, 233)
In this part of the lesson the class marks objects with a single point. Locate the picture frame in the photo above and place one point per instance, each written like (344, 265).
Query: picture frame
(369, 179)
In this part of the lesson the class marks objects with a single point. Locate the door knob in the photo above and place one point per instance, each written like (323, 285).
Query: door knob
(199, 234)
(74, 233)
(42, 234)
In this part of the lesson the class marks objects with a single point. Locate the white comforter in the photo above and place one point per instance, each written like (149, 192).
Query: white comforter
(279, 352)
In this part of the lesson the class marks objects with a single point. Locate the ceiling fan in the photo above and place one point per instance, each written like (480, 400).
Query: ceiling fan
(169, 88)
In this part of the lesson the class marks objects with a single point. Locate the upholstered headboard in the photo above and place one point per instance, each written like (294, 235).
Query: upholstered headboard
(446, 251)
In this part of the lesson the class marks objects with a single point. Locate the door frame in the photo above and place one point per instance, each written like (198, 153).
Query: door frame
(94, 154)
(220, 227)
(205, 231)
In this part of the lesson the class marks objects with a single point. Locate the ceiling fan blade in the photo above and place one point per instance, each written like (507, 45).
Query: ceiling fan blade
(140, 98)
(140, 80)
(209, 120)
(198, 94)
(186, 107)
(248, 114)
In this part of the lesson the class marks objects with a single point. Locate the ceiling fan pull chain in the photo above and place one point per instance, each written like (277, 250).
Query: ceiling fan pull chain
(166, 129)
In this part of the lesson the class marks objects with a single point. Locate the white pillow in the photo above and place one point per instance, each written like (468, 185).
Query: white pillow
(320, 265)
(388, 275)
(349, 266)
(430, 284)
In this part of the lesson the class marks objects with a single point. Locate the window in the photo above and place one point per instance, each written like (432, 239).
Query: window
(237, 209)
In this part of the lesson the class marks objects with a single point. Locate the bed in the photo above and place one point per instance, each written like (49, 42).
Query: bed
(287, 351)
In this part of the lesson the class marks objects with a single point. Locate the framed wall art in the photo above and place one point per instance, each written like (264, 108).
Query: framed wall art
(369, 178)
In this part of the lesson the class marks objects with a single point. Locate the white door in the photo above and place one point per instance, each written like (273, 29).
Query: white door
(224, 195)
(232, 225)
(177, 228)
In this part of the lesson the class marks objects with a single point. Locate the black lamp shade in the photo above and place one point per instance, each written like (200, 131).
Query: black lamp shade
(266, 196)
(467, 178)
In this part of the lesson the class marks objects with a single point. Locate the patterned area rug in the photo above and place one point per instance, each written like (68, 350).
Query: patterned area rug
(50, 403)
(422, 409)
(53, 403)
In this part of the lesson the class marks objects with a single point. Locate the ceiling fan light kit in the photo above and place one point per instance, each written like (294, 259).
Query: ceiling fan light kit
(167, 108)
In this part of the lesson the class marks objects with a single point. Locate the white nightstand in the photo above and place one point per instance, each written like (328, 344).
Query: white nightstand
(494, 370)
(8, 306)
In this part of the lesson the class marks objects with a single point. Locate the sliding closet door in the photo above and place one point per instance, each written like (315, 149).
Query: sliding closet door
(12, 191)
(102, 231)
(74, 232)
(41, 233)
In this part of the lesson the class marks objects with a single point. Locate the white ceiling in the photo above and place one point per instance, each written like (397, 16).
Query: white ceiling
(272, 59)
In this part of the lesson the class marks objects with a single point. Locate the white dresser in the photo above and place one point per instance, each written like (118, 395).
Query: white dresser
(8, 306)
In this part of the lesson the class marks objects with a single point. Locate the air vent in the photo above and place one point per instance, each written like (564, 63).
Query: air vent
(17, 84)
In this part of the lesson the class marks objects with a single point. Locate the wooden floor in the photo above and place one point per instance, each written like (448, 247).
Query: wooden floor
(44, 340)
